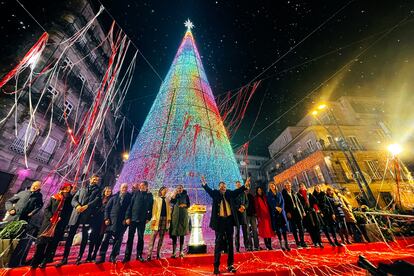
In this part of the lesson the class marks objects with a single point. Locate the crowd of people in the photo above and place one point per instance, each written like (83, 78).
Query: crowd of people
(103, 216)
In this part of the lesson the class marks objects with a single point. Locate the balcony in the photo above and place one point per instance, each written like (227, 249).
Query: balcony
(43, 156)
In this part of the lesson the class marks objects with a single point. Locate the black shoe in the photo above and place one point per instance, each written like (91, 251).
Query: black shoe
(304, 245)
(181, 254)
(338, 243)
(42, 265)
(125, 260)
(78, 261)
(158, 257)
(139, 258)
(112, 260)
(100, 260)
(33, 266)
(231, 269)
(287, 246)
(321, 245)
(149, 258)
(173, 256)
(216, 271)
(64, 261)
(332, 244)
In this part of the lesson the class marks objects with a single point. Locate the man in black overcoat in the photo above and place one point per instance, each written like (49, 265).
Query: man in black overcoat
(115, 219)
(137, 216)
(294, 213)
(223, 219)
(242, 203)
(85, 202)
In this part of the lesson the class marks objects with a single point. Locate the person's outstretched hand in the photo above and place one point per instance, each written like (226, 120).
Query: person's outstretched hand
(203, 180)
(247, 183)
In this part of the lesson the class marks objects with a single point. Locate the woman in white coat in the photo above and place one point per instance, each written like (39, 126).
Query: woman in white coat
(160, 221)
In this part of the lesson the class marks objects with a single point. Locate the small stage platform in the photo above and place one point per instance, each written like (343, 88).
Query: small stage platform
(311, 261)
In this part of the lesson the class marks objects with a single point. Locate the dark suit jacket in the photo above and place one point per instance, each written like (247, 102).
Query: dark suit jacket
(140, 208)
(115, 211)
(289, 205)
(217, 198)
(238, 201)
(24, 202)
(89, 195)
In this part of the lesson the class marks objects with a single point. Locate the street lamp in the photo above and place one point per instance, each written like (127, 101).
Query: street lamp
(395, 150)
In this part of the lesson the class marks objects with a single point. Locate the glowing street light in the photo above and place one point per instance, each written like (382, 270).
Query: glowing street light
(394, 149)
(125, 156)
(322, 106)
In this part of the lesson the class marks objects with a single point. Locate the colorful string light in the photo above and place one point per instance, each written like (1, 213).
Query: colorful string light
(183, 136)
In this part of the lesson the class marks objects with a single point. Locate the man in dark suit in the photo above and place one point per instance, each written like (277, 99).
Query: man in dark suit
(137, 215)
(25, 204)
(115, 219)
(85, 202)
(294, 213)
(223, 219)
(241, 202)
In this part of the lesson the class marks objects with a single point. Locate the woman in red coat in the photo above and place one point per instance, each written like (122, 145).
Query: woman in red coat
(263, 217)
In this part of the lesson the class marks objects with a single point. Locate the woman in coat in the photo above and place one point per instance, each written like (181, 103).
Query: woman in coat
(160, 221)
(263, 218)
(98, 225)
(278, 215)
(179, 218)
(311, 220)
(56, 216)
(339, 215)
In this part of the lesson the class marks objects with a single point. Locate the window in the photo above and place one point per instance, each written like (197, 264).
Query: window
(92, 56)
(306, 178)
(310, 146)
(354, 143)
(374, 169)
(347, 170)
(82, 78)
(46, 150)
(52, 91)
(292, 159)
(24, 139)
(319, 174)
(68, 106)
(330, 140)
(67, 63)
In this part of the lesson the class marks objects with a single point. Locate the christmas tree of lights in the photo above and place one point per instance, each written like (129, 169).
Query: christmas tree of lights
(183, 136)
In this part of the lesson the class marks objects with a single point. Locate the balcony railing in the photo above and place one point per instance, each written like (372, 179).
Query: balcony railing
(43, 156)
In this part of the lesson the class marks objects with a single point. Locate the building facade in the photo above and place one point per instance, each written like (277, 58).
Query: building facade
(251, 166)
(80, 73)
(313, 152)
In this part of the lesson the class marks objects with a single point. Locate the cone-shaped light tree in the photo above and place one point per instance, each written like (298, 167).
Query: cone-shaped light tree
(183, 136)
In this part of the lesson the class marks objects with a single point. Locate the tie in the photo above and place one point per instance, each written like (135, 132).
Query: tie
(224, 207)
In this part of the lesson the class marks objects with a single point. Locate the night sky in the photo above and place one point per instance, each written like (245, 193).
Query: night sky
(239, 39)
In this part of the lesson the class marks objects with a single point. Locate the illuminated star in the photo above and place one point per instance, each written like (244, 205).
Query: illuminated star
(189, 24)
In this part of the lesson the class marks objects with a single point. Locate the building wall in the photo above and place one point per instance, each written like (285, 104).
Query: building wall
(76, 90)
(313, 156)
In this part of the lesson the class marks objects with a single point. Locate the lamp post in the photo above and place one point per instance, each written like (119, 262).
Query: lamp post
(395, 150)
(345, 148)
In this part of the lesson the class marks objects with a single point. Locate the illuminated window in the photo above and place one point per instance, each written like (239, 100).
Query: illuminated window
(52, 90)
(354, 143)
(310, 145)
(374, 169)
(319, 174)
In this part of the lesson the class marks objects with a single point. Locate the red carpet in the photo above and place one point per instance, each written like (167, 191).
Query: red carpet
(342, 261)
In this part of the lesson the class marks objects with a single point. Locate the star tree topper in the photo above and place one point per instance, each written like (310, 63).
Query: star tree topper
(189, 24)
